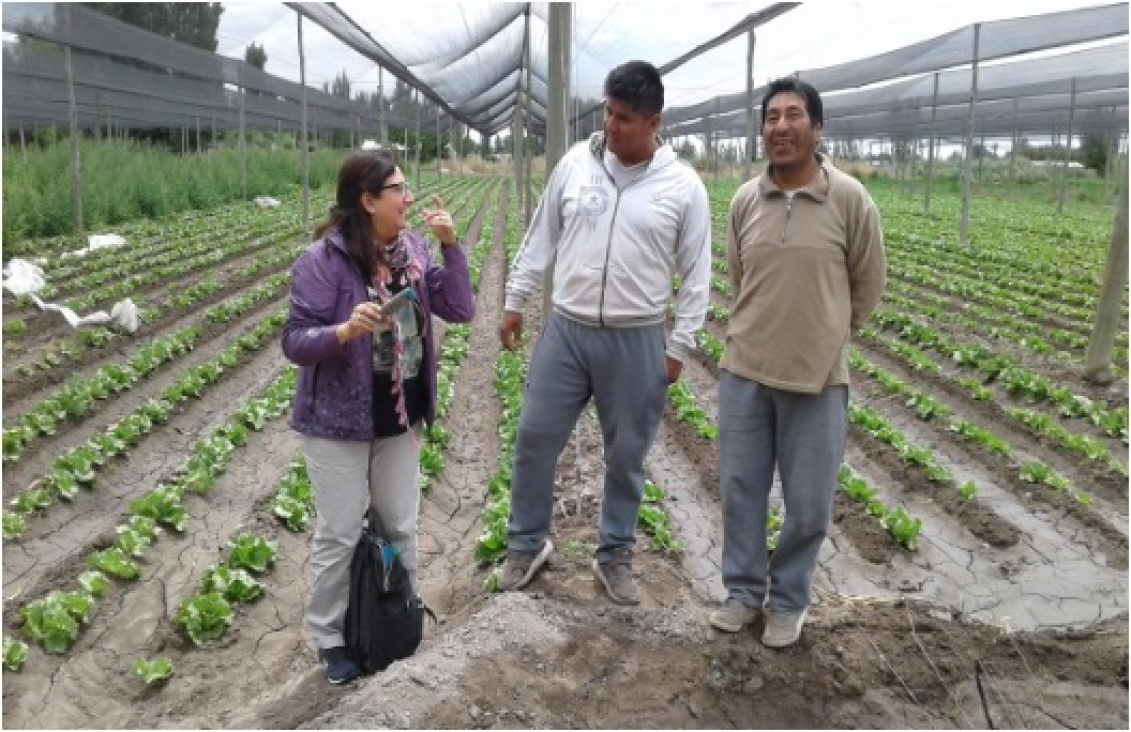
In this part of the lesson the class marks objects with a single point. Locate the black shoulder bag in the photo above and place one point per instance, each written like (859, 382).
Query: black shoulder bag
(384, 619)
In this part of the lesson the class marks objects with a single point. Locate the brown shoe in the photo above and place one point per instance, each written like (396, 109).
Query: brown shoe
(733, 616)
(783, 629)
(520, 567)
(616, 576)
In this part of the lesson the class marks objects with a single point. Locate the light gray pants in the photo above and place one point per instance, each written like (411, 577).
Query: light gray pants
(347, 477)
(804, 436)
(624, 370)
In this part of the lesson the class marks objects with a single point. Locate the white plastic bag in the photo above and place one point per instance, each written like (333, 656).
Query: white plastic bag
(22, 277)
(122, 316)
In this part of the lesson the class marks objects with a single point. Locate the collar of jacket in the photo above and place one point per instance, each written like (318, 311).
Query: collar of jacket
(334, 240)
(817, 189)
(660, 158)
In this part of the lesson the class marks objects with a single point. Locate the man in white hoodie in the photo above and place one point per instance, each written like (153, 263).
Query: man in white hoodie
(620, 217)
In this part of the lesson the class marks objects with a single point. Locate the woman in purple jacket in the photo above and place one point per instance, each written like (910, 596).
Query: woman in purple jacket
(367, 379)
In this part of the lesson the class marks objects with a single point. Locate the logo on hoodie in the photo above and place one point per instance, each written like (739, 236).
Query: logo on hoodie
(593, 202)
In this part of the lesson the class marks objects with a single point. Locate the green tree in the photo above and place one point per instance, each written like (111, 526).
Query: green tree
(191, 23)
(1094, 151)
(256, 55)
(339, 87)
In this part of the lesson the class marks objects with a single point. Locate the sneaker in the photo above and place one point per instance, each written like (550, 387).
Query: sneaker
(616, 576)
(733, 616)
(783, 629)
(340, 668)
(520, 567)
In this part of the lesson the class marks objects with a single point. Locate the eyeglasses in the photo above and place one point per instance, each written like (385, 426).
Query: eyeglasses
(402, 187)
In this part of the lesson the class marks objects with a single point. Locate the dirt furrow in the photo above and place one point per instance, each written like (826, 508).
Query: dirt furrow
(41, 452)
(55, 540)
(136, 621)
(449, 523)
(1101, 527)
(22, 389)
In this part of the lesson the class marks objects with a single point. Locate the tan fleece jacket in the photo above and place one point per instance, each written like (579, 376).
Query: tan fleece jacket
(806, 274)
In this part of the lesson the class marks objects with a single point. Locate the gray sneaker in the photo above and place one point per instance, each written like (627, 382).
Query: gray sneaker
(733, 616)
(520, 567)
(616, 576)
(783, 629)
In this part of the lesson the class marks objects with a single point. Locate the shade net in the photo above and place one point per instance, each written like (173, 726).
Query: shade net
(476, 64)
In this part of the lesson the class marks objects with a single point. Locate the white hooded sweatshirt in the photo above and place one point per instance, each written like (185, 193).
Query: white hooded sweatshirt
(615, 248)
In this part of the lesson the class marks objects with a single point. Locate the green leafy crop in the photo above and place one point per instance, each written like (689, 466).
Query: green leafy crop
(204, 618)
(253, 552)
(156, 671)
(15, 654)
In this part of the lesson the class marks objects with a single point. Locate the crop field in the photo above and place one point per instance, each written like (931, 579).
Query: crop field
(157, 515)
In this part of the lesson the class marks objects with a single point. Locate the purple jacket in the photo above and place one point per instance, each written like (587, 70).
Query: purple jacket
(334, 395)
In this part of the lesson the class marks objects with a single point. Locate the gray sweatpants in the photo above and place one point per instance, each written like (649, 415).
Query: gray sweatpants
(803, 435)
(624, 370)
(347, 477)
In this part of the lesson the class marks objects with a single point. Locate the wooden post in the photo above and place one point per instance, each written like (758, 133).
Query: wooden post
(1101, 345)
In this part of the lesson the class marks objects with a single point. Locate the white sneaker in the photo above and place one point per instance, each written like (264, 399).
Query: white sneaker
(733, 616)
(783, 629)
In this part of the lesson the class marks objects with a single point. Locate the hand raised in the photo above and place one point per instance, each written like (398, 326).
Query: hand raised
(440, 221)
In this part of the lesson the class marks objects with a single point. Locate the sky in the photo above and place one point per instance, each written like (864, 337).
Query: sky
(817, 34)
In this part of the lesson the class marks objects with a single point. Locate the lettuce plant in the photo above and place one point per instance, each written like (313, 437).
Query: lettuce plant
(152, 672)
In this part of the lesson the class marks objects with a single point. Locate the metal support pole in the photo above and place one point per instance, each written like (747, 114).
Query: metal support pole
(560, 42)
(748, 156)
(557, 134)
(981, 157)
(305, 145)
(76, 155)
(243, 149)
(1067, 150)
(416, 99)
(964, 229)
(528, 156)
(381, 129)
(1013, 146)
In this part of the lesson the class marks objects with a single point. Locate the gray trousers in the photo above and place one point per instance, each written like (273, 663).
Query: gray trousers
(624, 370)
(348, 477)
(803, 435)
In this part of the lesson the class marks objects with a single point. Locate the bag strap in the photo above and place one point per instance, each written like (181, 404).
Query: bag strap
(375, 524)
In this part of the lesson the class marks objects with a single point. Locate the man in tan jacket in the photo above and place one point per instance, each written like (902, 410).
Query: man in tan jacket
(806, 259)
